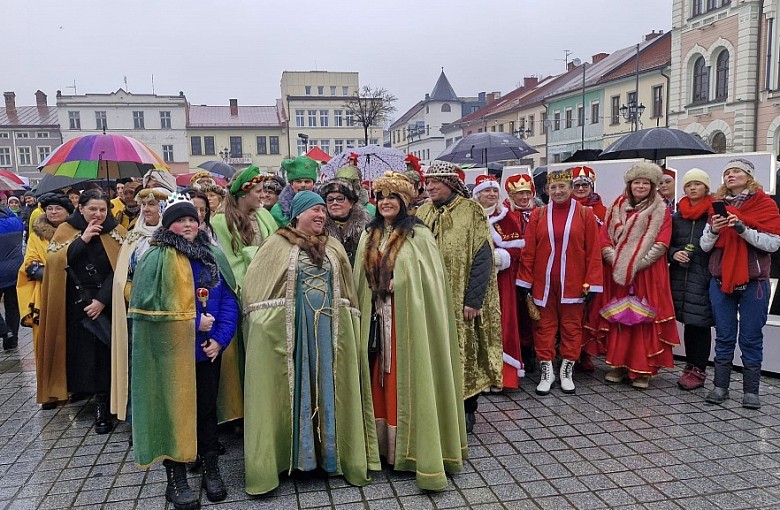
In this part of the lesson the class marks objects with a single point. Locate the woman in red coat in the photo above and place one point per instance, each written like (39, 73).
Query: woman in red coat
(634, 240)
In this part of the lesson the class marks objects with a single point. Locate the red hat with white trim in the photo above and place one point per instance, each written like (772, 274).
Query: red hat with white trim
(484, 182)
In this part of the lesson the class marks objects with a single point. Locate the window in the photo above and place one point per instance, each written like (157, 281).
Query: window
(344, 91)
(325, 146)
(500, 128)
(5, 156)
(273, 142)
(580, 116)
(261, 146)
(320, 90)
(299, 118)
(493, 128)
(100, 121)
(545, 123)
(4, 135)
(208, 146)
(43, 153)
(557, 121)
(24, 156)
(718, 142)
(338, 146)
(446, 108)
(338, 120)
(614, 114)
(165, 120)
(350, 144)
(594, 113)
(138, 120)
(74, 120)
(167, 153)
(701, 81)
(195, 147)
(631, 98)
(722, 75)
(696, 7)
(324, 118)
(22, 134)
(569, 118)
(658, 101)
(374, 141)
(312, 118)
(236, 147)
(42, 134)
(350, 119)
(530, 125)
(332, 90)
(312, 143)
(307, 88)
(301, 146)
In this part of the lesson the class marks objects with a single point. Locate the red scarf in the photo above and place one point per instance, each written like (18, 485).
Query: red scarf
(694, 212)
(758, 212)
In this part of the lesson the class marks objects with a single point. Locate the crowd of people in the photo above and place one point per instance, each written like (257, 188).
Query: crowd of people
(346, 325)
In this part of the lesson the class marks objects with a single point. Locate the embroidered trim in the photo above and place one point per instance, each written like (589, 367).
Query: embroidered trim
(264, 305)
(54, 246)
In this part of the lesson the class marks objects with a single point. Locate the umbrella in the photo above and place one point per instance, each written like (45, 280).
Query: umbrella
(218, 167)
(7, 184)
(628, 310)
(318, 155)
(51, 183)
(102, 156)
(655, 144)
(373, 161)
(184, 179)
(583, 155)
(12, 176)
(483, 148)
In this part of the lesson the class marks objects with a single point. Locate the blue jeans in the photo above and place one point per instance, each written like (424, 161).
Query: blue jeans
(753, 307)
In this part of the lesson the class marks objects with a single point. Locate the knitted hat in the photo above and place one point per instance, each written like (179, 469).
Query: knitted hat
(583, 173)
(339, 185)
(741, 164)
(484, 182)
(29, 194)
(394, 183)
(518, 183)
(303, 201)
(643, 170)
(302, 167)
(177, 207)
(696, 175)
(12, 197)
(450, 174)
(245, 181)
(559, 176)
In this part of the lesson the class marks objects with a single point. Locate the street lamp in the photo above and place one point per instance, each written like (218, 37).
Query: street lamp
(305, 138)
(523, 133)
(225, 155)
(632, 113)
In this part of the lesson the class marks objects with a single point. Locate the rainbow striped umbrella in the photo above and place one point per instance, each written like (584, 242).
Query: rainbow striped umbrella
(102, 157)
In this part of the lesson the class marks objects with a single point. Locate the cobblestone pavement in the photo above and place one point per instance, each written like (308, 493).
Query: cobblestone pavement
(610, 446)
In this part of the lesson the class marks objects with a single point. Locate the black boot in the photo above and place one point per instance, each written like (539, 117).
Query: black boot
(720, 392)
(178, 490)
(10, 342)
(103, 421)
(751, 379)
(212, 480)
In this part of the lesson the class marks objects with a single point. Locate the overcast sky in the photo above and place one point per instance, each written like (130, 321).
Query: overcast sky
(215, 50)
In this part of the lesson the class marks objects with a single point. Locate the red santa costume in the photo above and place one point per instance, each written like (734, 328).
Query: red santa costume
(560, 264)
(507, 241)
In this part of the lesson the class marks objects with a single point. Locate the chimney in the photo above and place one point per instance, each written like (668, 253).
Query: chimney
(40, 99)
(482, 97)
(598, 57)
(570, 66)
(10, 101)
(489, 98)
(233, 107)
(652, 35)
(530, 82)
(427, 96)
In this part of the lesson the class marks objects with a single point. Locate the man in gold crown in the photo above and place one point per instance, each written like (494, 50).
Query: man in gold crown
(561, 267)
(461, 230)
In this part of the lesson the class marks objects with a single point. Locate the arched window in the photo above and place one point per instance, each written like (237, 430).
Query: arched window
(718, 142)
(445, 108)
(722, 75)
(701, 81)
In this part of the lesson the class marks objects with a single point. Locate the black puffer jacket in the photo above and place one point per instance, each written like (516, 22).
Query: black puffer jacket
(690, 285)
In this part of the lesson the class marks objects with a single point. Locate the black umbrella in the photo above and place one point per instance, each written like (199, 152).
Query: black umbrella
(581, 155)
(483, 148)
(218, 167)
(51, 183)
(655, 144)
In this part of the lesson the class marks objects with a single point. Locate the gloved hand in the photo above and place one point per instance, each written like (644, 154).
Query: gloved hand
(739, 227)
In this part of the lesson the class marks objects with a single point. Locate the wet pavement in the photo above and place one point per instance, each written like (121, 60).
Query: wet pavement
(608, 446)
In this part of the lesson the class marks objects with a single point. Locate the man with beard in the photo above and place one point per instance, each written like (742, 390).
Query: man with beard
(128, 215)
(345, 222)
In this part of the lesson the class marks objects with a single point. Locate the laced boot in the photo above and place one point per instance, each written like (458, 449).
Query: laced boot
(751, 379)
(178, 490)
(547, 378)
(691, 379)
(567, 376)
(212, 480)
(103, 422)
(720, 392)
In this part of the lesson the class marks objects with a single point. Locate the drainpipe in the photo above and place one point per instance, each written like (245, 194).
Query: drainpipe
(758, 85)
(666, 104)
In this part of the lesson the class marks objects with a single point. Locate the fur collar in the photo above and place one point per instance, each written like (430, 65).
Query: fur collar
(379, 267)
(352, 228)
(313, 245)
(498, 214)
(43, 228)
(285, 200)
(196, 250)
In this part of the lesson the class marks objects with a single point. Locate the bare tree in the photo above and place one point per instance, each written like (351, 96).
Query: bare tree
(368, 106)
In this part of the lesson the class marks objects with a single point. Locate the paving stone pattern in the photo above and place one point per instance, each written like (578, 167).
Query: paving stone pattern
(608, 446)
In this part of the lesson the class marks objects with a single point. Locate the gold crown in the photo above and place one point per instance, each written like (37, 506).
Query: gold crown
(397, 183)
(559, 176)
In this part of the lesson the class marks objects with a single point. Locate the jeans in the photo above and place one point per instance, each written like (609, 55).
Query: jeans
(753, 307)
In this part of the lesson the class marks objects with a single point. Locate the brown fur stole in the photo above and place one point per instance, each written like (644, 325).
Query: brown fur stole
(43, 228)
(313, 245)
(379, 268)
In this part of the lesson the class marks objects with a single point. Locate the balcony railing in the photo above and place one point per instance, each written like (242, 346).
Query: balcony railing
(243, 159)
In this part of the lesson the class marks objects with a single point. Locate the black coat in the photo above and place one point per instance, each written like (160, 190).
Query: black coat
(690, 285)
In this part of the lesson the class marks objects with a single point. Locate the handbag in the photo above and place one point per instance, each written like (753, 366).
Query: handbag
(628, 310)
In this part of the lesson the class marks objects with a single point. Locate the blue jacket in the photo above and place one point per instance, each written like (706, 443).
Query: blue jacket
(223, 305)
(11, 254)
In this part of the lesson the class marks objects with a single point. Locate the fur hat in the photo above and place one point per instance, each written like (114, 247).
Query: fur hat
(394, 183)
(643, 170)
(741, 164)
(484, 182)
(339, 185)
(201, 175)
(696, 175)
(59, 199)
(176, 207)
(518, 183)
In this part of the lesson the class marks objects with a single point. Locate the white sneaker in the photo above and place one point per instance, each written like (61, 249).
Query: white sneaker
(567, 376)
(548, 378)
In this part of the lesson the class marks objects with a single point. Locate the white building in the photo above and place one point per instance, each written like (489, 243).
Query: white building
(158, 121)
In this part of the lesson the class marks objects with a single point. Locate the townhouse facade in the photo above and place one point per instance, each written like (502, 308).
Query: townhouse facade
(28, 134)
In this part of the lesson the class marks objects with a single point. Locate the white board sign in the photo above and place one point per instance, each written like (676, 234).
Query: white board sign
(509, 171)
(472, 173)
(609, 176)
(714, 164)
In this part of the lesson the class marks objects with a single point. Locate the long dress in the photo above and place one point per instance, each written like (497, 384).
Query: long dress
(416, 381)
(307, 400)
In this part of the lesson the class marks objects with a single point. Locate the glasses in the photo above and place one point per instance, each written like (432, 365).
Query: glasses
(338, 200)
(581, 185)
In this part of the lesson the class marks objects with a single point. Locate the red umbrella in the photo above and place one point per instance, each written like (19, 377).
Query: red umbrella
(12, 176)
(183, 180)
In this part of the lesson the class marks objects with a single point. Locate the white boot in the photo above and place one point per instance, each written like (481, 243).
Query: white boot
(567, 375)
(548, 378)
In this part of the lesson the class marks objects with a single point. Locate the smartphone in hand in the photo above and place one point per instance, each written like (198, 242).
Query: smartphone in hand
(719, 207)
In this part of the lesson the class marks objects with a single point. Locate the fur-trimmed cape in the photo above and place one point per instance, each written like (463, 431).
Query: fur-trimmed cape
(379, 273)
(349, 232)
